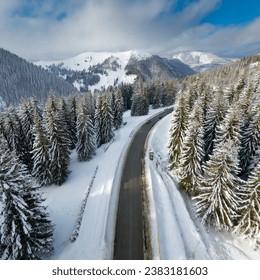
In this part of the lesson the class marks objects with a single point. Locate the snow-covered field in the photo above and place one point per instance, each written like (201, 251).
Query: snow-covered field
(177, 233)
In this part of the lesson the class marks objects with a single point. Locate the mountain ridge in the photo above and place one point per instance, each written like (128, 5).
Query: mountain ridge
(201, 61)
(94, 70)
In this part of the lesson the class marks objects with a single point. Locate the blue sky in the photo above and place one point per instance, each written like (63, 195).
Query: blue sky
(53, 29)
(235, 12)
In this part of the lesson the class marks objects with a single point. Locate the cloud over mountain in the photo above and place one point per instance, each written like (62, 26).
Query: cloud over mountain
(61, 28)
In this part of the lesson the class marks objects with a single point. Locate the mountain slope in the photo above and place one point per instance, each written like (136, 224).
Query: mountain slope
(20, 79)
(94, 70)
(201, 61)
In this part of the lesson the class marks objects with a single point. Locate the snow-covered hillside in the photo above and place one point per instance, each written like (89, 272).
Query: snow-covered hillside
(89, 59)
(115, 65)
(94, 70)
(201, 61)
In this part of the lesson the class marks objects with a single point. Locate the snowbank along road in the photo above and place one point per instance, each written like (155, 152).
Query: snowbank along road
(129, 243)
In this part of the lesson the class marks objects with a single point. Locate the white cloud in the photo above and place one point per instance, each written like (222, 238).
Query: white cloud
(113, 25)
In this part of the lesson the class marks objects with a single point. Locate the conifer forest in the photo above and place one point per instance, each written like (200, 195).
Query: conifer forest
(214, 146)
(36, 140)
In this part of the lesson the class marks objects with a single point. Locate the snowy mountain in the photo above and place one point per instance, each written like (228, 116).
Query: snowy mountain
(94, 70)
(201, 61)
(20, 79)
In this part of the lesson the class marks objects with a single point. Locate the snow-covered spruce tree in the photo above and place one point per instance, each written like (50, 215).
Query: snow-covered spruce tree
(229, 128)
(214, 116)
(248, 224)
(140, 104)
(15, 136)
(103, 120)
(192, 94)
(178, 128)
(250, 138)
(51, 103)
(40, 154)
(118, 110)
(59, 146)
(230, 94)
(72, 107)
(127, 93)
(206, 97)
(98, 120)
(86, 144)
(89, 103)
(26, 113)
(216, 200)
(25, 223)
(156, 96)
(70, 126)
(169, 93)
(191, 158)
(41, 236)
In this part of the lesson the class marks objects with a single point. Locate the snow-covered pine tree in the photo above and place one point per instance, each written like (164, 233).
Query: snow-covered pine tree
(229, 128)
(41, 236)
(214, 116)
(59, 146)
(118, 110)
(216, 201)
(178, 128)
(169, 93)
(72, 107)
(15, 136)
(26, 231)
(230, 94)
(86, 144)
(40, 154)
(191, 158)
(140, 104)
(89, 103)
(98, 120)
(51, 103)
(27, 115)
(250, 133)
(156, 96)
(103, 120)
(15, 229)
(248, 224)
(69, 125)
(127, 93)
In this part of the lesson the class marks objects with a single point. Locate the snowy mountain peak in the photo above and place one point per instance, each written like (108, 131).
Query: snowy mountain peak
(88, 59)
(140, 55)
(201, 61)
(97, 70)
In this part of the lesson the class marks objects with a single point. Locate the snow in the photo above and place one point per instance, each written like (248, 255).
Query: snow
(140, 55)
(95, 240)
(85, 60)
(89, 59)
(197, 58)
(176, 232)
(254, 65)
(201, 61)
(180, 233)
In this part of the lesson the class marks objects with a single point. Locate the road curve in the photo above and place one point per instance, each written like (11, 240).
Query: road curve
(129, 241)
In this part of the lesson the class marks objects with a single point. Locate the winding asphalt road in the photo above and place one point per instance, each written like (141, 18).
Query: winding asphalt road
(129, 243)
